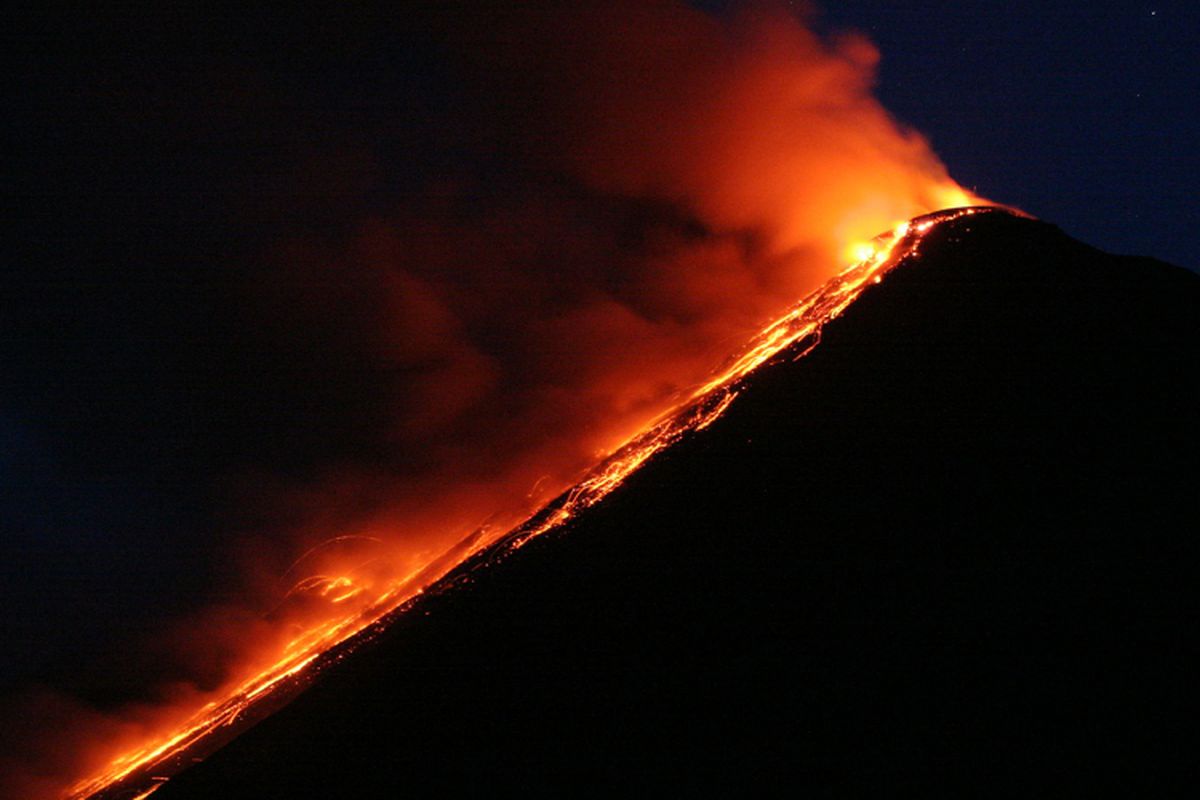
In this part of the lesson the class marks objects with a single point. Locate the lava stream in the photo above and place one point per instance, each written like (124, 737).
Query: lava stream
(142, 771)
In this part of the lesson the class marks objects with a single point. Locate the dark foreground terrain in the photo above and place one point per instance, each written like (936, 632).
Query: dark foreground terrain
(956, 541)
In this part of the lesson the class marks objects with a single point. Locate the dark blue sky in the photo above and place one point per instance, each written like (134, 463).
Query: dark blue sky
(1083, 114)
(128, 390)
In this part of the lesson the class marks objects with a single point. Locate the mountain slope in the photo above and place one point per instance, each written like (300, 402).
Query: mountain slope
(958, 536)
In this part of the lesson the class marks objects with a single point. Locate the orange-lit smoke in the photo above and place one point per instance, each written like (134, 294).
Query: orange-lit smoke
(657, 183)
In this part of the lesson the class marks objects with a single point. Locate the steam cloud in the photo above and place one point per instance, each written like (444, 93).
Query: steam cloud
(452, 286)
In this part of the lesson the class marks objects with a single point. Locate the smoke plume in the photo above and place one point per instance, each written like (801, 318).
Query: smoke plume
(455, 256)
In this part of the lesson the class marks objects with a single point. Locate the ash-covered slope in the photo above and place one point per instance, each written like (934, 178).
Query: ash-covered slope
(958, 537)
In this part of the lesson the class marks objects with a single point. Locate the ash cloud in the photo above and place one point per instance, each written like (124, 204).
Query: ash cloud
(410, 266)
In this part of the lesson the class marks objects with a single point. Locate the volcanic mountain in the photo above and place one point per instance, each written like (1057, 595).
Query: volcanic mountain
(958, 537)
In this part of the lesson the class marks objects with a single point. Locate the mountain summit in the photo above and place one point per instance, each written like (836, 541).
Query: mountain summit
(957, 537)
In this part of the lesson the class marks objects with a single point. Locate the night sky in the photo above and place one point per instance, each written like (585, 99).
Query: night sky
(1081, 114)
(134, 429)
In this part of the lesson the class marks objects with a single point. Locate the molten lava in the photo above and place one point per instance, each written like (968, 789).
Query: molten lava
(358, 610)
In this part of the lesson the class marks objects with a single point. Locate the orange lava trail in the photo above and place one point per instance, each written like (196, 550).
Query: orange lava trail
(141, 771)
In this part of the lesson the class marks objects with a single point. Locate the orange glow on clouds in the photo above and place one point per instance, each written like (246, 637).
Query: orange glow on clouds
(718, 171)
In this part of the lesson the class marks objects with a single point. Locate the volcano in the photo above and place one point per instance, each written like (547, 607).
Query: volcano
(957, 537)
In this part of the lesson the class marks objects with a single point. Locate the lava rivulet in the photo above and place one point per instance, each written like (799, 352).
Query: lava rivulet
(143, 769)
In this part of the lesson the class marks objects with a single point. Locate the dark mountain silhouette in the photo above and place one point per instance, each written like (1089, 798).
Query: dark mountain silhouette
(958, 539)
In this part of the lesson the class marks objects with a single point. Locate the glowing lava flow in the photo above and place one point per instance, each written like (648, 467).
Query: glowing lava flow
(140, 772)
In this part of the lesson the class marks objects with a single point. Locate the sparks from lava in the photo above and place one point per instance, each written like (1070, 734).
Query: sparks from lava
(144, 769)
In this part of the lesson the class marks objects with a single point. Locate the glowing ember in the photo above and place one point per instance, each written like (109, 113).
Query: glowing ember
(142, 770)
